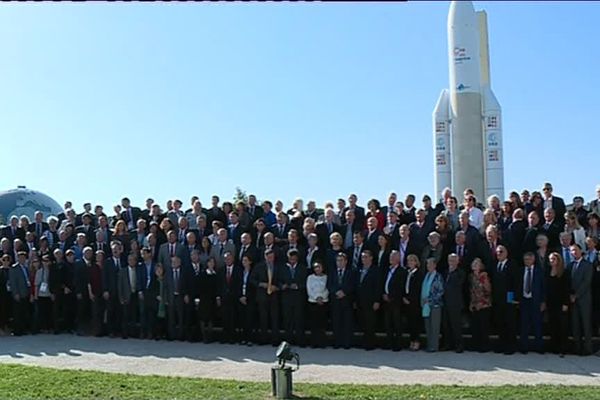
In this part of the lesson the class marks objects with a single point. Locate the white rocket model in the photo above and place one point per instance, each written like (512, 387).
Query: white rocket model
(467, 129)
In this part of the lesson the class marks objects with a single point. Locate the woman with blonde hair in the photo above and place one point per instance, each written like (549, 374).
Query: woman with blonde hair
(557, 303)
(411, 300)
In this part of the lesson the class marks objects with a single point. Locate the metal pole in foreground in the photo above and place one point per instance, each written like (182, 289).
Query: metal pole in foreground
(281, 375)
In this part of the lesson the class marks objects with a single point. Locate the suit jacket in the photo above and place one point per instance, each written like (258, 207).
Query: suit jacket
(502, 282)
(369, 290)
(414, 289)
(136, 213)
(453, 289)
(411, 248)
(350, 253)
(227, 291)
(90, 233)
(164, 256)
(259, 275)
(219, 255)
(33, 228)
(418, 235)
(359, 213)
(371, 241)
(581, 282)
(82, 278)
(553, 231)
(235, 234)
(125, 286)
(110, 275)
(143, 284)
(192, 281)
(171, 287)
(256, 214)
(347, 284)
(316, 255)
(395, 286)
(215, 214)
(514, 237)
(298, 295)
(7, 233)
(323, 233)
(281, 234)
(558, 205)
(18, 282)
(251, 251)
(538, 286)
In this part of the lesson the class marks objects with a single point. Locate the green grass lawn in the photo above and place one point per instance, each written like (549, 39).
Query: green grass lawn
(22, 382)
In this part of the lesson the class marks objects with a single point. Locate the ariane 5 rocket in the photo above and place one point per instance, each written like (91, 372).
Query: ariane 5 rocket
(467, 124)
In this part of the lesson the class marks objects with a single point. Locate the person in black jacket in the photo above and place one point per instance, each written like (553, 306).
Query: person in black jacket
(368, 297)
(110, 293)
(292, 278)
(558, 286)
(453, 305)
(69, 299)
(412, 300)
(246, 304)
(82, 280)
(207, 309)
(504, 316)
(192, 274)
(227, 280)
(394, 282)
(341, 286)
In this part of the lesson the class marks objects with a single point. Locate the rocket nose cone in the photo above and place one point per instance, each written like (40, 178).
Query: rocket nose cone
(461, 13)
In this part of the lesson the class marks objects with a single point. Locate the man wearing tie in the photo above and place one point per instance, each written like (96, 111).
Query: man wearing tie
(265, 277)
(171, 249)
(355, 251)
(453, 305)
(20, 286)
(174, 299)
(110, 273)
(280, 229)
(504, 313)
(129, 288)
(227, 279)
(146, 282)
(223, 245)
(341, 286)
(581, 300)
(254, 211)
(293, 297)
(39, 226)
(532, 303)
(393, 293)
(566, 239)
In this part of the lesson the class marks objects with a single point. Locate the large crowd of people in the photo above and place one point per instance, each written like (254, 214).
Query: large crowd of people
(393, 276)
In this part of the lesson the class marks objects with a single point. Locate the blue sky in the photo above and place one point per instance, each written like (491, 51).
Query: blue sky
(315, 100)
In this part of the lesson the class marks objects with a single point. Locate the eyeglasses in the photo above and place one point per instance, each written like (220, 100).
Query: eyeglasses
(546, 189)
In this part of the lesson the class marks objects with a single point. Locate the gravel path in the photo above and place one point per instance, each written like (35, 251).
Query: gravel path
(145, 357)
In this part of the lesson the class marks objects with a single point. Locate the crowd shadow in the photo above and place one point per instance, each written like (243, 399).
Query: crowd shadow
(75, 346)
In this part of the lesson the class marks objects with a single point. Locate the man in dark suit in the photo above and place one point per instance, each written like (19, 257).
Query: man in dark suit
(129, 293)
(554, 202)
(453, 305)
(472, 235)
(391, 205)
(464, 253)
(63, 215)
(100, 243)
(356, 250)
(215, 213)
(292, 278)
(348, 228)
(359, 212)
(294, 244)
(531, 233)
(247, 249)
(174, 293)
(82, 269)
(504, 312)
(38, 226)
(491, 243)
(228, 280)
(515, 235)
(149, 308)
(145, 214)
(130, 214)
(87, 228)
(235, 229)
(341, 285)
(110, 286)
(406, 246)
(552, 229)
(530, 292)
(581, 272)
(20, 286)
(280, 229)
(394, 282)
(325, 228)
(368, 297)
(253, 209)
(171, 249)
(392, 229)
(265, 277)
(419, 230)
(372, 235)
(13, 230)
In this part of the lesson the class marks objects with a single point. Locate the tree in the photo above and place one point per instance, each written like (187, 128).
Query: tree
(240, 195)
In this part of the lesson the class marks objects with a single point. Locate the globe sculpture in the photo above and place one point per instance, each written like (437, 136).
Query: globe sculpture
(23, 201)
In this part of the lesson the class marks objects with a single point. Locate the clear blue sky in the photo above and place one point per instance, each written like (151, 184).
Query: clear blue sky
(166, 100)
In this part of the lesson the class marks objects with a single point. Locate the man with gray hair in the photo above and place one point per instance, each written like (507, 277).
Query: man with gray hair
(453, 305)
